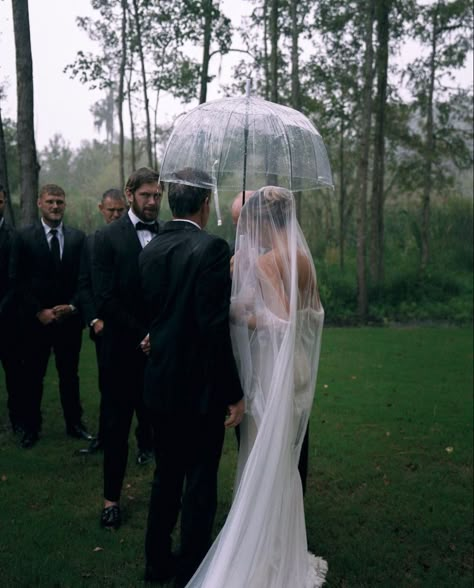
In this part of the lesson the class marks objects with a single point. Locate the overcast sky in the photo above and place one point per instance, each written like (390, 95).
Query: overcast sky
(61, 104)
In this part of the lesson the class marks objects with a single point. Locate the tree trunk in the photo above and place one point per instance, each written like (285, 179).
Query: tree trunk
(29, 167)
(363, 167)
(376, 263)
(342, 196)
(274, 50)
(149, 151)
(266, 73)
(133, 153)
(430, 146)
(295, 70)
(4, 175)
(207, 4)
(121, 93)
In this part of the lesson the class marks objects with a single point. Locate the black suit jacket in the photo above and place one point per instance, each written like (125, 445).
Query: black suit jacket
(40, 284)
(117, 289)
(186, 285)
(7, 293)
(87, 303)
(6, 245)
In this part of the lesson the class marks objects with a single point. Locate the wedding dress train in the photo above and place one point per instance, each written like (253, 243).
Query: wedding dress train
(276, 328)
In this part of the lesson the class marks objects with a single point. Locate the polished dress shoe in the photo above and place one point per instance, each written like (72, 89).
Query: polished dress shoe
(95, 446)
(144, 457)
(29, 439)
(162, 572)
(110, 517)
(78, 431)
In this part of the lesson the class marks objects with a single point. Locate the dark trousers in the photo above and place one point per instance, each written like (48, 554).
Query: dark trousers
(11, 358)
(187, 451)
(64, 339)
(122, 395)
(102, 408)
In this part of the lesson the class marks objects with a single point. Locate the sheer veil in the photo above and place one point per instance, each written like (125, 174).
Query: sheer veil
(276, 325)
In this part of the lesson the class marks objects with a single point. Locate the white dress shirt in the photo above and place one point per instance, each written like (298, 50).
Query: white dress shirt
(143, 236)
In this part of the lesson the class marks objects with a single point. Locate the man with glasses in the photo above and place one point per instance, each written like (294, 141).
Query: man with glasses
(118, 296)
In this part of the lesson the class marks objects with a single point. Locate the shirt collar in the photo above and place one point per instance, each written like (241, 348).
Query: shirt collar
(186, 220)
(47, 228)
(134, 218)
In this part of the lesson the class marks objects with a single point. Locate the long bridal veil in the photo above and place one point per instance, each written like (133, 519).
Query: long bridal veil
(276, 324)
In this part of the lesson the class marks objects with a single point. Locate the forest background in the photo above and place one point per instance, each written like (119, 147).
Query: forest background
(394, 241)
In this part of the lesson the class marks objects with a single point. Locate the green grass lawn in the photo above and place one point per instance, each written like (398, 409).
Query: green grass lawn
(389, 501)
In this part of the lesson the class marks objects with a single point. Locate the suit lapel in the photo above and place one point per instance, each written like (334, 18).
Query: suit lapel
(67, 245)
(131, 234)
(40, 239)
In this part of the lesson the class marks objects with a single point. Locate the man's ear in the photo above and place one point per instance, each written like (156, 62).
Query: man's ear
(129, 195)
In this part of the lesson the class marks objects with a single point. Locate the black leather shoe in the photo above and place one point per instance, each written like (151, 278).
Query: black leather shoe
(144, 457)
(162, 572)
(110, 517)
(28, 440)
(95, 446)
(79, 431)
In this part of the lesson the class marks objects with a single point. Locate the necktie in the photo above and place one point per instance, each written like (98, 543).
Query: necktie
(55, 250)
(152, 227)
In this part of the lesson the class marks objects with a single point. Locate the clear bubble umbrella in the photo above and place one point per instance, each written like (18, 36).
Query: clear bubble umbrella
(245, 143)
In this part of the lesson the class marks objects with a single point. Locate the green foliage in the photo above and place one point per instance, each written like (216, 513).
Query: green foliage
(444, 292)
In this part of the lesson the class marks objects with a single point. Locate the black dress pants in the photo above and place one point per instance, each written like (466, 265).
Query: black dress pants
(122, 395)
(187, 451)
(11, 357)
(64, 339)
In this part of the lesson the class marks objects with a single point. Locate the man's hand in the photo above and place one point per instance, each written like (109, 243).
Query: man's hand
(98, 326)
(62, 311)
(146, 345)
(235, 414)
(46, 316)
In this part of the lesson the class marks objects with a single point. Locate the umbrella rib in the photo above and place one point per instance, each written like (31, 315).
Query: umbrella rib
(290, 156)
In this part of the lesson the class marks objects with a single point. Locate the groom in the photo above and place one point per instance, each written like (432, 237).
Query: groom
(191, 380)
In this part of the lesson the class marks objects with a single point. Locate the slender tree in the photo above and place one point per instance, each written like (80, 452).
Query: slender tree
(376, 247)
(29, 167)
(121, 92)
(363, 165)
(274, 9)
(445, 29)
(139, 43)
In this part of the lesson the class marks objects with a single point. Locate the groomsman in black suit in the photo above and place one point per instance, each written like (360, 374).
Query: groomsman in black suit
(10, 347)
(111, 206)
(119, 300)
(48, 255)
(191, 380)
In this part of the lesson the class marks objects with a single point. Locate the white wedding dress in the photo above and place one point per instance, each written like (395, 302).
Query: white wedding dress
(276, 325)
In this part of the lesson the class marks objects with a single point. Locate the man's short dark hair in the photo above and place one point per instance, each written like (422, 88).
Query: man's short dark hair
(186, 198)
(113, 193)
(52, 189)
(143, 175)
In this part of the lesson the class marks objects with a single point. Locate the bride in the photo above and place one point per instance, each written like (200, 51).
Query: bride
(276, 324)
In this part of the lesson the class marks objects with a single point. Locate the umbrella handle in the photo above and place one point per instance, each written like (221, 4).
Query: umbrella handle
(216, 194)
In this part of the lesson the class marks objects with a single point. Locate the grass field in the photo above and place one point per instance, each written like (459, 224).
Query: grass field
(389, 501)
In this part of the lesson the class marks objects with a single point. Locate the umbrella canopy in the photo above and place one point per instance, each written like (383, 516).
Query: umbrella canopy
(245, 143)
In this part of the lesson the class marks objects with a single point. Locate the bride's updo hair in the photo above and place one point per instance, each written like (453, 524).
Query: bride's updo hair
(272, 204)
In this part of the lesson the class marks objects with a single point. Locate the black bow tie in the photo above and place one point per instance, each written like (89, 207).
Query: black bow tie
(152, 227)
